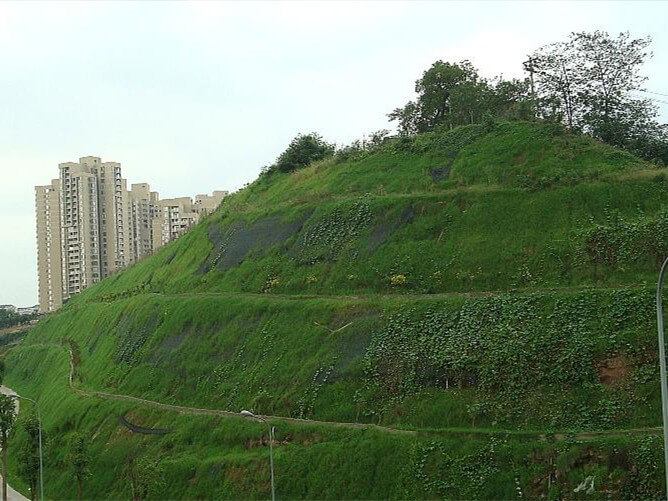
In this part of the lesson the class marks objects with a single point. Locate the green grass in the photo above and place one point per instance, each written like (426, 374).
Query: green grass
(451, 242)
(209, 457)
(445, 362)
(482, 286)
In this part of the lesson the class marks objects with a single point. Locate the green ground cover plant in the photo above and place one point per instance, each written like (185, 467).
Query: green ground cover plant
(484, 294)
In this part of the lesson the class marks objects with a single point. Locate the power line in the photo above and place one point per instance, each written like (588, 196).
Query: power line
(656, 100)
(650, 92)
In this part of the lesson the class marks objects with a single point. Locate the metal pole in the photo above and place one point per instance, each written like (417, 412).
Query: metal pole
(41, 474)
(662, 365)
(271, 460)
(271, 430)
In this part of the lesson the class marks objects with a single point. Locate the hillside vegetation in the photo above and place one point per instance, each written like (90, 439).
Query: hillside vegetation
(480, 297)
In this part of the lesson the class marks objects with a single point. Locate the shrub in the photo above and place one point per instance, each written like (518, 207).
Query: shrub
(303, 149)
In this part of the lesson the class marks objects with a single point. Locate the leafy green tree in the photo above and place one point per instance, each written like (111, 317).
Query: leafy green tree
(451, 94)
(511, 99)
(444, 92)
(408, 118)
(591, 82)
(29, 455)
(80, 460)
(554, 67)
(10, 319)
(7, 419)
(303, 150)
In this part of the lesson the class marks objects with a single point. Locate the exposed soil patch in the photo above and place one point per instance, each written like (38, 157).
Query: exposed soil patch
(614, 371)
(76, 358)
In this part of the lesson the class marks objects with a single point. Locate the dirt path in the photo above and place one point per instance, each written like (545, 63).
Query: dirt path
(215, 412)
(547, 436)
(370, 297)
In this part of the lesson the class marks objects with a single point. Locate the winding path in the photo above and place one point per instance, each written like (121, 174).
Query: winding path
(537, 435)
(540, 435)
(12, 494)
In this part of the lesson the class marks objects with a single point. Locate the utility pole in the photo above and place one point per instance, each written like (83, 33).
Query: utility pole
(528, 66)
(662, 365)
(271, 430)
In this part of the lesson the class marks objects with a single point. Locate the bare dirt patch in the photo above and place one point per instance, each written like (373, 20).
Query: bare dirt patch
(614, 371)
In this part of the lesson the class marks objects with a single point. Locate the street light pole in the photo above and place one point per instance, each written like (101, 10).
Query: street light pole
(662, 365)
(39, 419)
(271, 430)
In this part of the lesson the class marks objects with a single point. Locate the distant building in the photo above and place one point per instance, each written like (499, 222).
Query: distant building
(49, 247)
(205, 204)
(28, 310)
(89, 225)
(144, 206)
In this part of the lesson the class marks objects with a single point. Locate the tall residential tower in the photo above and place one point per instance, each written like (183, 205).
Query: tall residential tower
(89, 226)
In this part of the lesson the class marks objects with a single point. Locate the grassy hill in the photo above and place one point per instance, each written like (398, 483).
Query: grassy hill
(477, 304)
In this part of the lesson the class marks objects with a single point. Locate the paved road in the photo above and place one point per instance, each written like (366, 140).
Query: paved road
(12, 495)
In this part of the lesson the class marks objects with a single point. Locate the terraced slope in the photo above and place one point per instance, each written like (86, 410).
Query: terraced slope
(487, 288)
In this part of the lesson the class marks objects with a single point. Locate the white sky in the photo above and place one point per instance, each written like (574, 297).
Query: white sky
(193, 97)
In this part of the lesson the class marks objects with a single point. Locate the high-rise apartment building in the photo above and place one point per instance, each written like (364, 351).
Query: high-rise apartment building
(81, 263)
(89, 225)
(144, 206)
(49, 251)
(175, 217)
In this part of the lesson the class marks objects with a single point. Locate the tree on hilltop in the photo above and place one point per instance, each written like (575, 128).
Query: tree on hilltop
(592, 83)
(303, 150)
(451, 94)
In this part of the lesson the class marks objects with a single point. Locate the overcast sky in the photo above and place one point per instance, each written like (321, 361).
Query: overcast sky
(193, 97)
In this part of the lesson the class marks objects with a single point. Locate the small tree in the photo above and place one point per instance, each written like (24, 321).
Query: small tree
(7, 419)
(303, 149)
(29, 455)
(80, 460)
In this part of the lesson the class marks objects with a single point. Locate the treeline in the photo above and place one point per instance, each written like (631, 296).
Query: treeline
(590, 83)
(9, 318)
